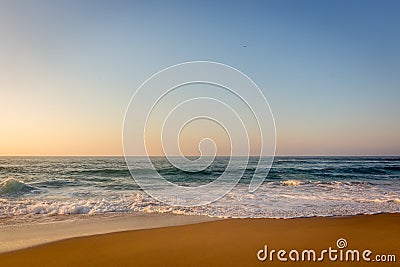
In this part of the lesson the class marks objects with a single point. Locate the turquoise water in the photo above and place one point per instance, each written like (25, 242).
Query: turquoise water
(295, 187)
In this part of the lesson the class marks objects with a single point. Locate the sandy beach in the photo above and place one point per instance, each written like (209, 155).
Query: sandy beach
(229, 242)
(17, 234)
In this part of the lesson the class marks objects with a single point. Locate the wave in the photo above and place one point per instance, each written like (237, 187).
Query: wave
(292, 182)
(348, 199)
(102, 172)
(14, 187)
(306, 206)
(392, 168)
(66, 206)
(310, 169)
(12, 169)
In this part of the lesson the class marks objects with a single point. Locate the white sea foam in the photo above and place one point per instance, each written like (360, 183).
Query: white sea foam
(292, 182)
(278, 203)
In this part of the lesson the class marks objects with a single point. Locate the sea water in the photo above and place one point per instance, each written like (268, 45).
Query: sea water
(294, 187)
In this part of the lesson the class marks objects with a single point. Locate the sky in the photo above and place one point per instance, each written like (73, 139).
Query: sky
(329, 69)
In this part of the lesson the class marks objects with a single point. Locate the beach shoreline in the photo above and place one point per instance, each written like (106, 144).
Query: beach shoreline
(16, 235)
(226, 242)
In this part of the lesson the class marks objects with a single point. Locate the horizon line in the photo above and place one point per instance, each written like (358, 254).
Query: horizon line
(294, 155)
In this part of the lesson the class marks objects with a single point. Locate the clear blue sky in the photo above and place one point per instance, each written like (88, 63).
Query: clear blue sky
(330, 69)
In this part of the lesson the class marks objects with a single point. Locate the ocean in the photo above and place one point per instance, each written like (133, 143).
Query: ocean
(40, 187)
